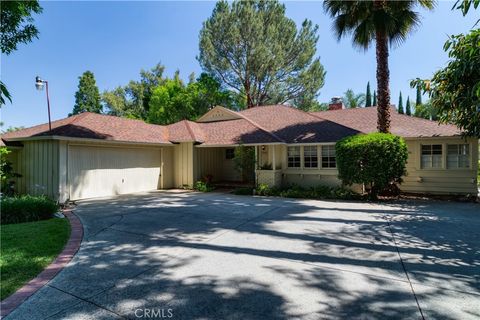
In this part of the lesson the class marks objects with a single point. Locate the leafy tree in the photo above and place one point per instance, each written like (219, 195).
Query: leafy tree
(377, 160)
(253, 48)
(454, 91)
(400, 104)
(374, 98)
(7, 173)
(133, 100)
(418, 101)
(353, 100)
(87, 97)
(168, 103)
(12, 129)
(378, 21)
(426, 111)
(368, 96)
(408, 109)
(244, 162)
(16, 27)
(173, 101)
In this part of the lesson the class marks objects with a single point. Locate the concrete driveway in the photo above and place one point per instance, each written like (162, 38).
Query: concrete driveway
(218, 256)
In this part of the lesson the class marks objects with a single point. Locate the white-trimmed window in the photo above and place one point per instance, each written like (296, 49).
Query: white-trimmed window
(458, 156)
(328, 157)
(310, 157)
(431, 156)
(293, 154)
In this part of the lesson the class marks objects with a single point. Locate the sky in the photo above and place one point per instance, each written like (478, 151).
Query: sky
(115, 40)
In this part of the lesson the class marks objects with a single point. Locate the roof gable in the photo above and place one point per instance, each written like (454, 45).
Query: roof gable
(219, 113)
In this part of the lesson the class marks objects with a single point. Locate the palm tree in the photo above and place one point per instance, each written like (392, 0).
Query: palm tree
(381, 21)
(353, 100)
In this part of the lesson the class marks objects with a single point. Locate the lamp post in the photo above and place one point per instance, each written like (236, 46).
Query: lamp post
(39, 84)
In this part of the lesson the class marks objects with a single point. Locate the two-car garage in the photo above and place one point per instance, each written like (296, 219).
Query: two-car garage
(96, 171)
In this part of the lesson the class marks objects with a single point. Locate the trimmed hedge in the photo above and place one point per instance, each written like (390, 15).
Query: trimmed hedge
(27, 208)
(377, 160)
(318, 192)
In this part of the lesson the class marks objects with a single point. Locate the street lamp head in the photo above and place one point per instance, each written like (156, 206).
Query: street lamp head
(39, 83)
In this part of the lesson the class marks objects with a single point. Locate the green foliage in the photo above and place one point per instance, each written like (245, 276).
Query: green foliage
(173, 101)
(353, 100)
(426, 111)
(454, 91)
(244, 161)
(17, 24)
(465, 5)
(27, 208)
(87, 97)
(133, 100)
(16, 27)
(377, 160)
(418, 101)
(161, 100)
(478, 173)
(4, 94)
(368, 96)
(408, 108)
(400, 104)
(6, 172)
(28, 248)
(253, 48)
(203, 186)
(317, 192)
(374, 103)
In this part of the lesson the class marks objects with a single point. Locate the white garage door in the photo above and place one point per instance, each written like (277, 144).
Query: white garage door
(103, 171)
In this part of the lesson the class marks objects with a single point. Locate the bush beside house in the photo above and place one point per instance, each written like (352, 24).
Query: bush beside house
(376, 160)
(27, 208)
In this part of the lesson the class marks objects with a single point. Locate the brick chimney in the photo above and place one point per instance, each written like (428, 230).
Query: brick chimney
(336, 104)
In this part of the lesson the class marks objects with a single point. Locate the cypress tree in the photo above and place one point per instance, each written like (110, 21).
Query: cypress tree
(419, 97)
(374, 98)
(408, 110)
(400, 104)
(87, 97)
(368, 96)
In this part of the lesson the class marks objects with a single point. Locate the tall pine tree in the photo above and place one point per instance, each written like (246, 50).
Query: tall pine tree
(87, 97)
(408, 110)
(374, 98)
(419, 97)
(400, 104)
(368, 96)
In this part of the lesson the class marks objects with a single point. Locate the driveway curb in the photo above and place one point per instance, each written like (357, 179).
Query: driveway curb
(70, 249)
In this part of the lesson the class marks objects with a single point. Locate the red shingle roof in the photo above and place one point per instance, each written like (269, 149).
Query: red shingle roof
(295, 126)
(365, 121)
(97, 126)
(268, 124)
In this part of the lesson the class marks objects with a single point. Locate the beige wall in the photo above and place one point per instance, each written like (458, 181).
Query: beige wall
(418, 180)
(38, 163)
(442, 180)
(183, 159)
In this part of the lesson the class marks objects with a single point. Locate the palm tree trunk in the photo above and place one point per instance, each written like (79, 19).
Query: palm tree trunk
(383, 79)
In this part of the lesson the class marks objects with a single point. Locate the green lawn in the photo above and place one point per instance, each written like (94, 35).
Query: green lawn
(27, 248)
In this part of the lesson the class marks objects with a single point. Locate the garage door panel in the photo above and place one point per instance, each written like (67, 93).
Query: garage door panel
(103, 171)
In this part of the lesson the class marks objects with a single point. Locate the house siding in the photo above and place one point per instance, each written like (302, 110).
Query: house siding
(184, 171)
(38, 163)
(442, 180)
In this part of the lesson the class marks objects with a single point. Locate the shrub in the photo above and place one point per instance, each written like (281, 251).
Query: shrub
(318, 192)
(203, 186)
(27, 208)
(244, 162)
(376, 160)
(6, 173)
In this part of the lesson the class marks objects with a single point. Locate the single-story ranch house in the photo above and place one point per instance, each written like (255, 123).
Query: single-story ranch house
(92, 155)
